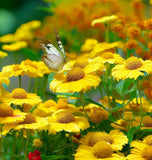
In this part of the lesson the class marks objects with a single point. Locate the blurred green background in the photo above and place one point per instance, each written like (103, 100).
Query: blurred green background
(15, 12)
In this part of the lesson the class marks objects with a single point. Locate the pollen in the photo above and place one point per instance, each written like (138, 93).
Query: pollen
(19, 93)
(5, 110)
(30, 118)
(108, 55)
(148, 140)
(81, 63)
(75, 74)
(65, 117)
(133, 63)
(102, 150)
(147, 153)
(100, 136)
(147, 121)
(49, 103)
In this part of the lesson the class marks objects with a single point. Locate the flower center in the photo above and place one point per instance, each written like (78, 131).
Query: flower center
(102, 150)
(30, 118)
(19, 93)
(75, 74)
(107, 55)
(49, 103)
(99, 136)
(133, 63)
(147, 153)
(147, 121)
(5, 110)
(65, 117)
(81, 63)
(148, 140)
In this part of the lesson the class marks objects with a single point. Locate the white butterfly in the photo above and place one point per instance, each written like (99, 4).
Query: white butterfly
(53, 58)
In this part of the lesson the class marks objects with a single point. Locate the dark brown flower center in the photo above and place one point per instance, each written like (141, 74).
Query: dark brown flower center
(133, 63)
(65, 117)
(75, 74)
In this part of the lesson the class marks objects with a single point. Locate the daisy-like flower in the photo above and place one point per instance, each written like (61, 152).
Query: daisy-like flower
(31, 68)
(19, 97)
(148, 140)
(109, 57)
(78, 79)
(64, 120)
(147, 122)
(141, 151)
(105, 19)
(31, 122)
(95, 112)
(8, 115)
(14, 46)
(49, 107)
(133, 67)
(115, 138)
(102, 47)
(101, 150)
(13, 70)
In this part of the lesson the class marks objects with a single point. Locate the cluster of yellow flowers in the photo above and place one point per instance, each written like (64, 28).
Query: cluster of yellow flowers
(97, 94)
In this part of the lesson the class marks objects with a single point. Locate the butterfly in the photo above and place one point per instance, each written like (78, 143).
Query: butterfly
(53, 58)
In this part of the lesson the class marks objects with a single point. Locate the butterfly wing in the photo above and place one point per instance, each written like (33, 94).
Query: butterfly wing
(52, 57)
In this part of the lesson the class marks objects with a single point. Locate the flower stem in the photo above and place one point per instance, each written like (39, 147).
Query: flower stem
(107, 33)
(19, 78)
(45, 86)
(141, 109)
(82, 103)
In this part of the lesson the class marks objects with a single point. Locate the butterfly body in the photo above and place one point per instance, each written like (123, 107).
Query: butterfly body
(53, 58)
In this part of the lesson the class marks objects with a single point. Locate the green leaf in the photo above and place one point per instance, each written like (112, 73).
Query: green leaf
(131, 133)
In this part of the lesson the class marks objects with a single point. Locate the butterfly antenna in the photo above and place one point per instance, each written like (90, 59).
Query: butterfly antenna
(59, 42)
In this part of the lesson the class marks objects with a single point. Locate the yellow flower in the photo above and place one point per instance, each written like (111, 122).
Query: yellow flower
(148, 140)
(105, 19)
(13, 70)
(101, 150)
(3, 54)
(64, 120)
(14, 46)
(49, 107)
(115, 138)
(89, 45)
(7, 38)
(109, 57)
(141, 151)
(133, 67)
(95, 112)
(102, 47)
(78, 79)
(37, 142)
(19, 97)
(30, 122)
(7, 115)
(31, 68)
(147, 122)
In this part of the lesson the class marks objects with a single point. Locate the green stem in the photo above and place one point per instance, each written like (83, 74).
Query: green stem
(1, 142)
(107, 33)
(19, 78)
(82, 103)
(141, 109)
(45, 86)
(100, 90)
(107, 88)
